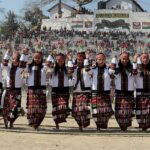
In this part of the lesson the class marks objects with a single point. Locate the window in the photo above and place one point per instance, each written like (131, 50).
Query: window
(118, 6)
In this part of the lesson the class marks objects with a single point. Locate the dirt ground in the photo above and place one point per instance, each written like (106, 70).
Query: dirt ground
(23, 141)
(22, 137)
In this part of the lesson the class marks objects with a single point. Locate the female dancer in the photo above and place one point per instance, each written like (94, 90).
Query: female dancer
(82, 92)
(101, 103)
(124, 83)
(60, 91)
(12, 98)
(36, 96)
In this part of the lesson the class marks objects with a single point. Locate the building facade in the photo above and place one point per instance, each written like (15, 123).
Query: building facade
(130, 5)
(61, 9)
(130, 17)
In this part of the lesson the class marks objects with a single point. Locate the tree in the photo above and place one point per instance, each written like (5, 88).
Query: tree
(10, 25)
(34, 16)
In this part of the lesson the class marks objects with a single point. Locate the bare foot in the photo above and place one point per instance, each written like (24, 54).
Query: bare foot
(80, 129)
(57, 127)
(98, 129)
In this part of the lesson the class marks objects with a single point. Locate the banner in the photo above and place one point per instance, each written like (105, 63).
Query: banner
(83, 2)
(136, 25)
(88, 24)
(112, 15)
(112, 25)
(77, 24)
(145, 25)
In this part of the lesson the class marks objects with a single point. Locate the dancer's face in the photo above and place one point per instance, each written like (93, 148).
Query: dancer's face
(37, 58)
(100, 59)
(80, 61)
(145, 59)
(60, 60)
(124, 59)
(15, 59)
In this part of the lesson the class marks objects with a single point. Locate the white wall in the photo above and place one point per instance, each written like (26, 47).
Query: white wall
(81, 19)
(67, 11)
(56, 24)
(54, 13)
(133, 17)
(68, 23)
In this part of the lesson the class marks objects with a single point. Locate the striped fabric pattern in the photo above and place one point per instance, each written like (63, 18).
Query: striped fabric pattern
(81, 108)
(143, 110)
(12, 105)
(60, 104)
(124, 109)
(36, 106)
(101, 109)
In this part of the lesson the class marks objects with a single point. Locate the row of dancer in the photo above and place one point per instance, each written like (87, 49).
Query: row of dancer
(93, 86)
(91, 89)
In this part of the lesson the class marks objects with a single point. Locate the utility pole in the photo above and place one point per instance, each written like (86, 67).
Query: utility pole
(59, 9)
(41, 11)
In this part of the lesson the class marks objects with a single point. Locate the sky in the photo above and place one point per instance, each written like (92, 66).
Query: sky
(18, 5)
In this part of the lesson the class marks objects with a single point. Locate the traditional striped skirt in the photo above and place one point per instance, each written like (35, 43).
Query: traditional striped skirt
(11, 106)
(60, 104)
(36, 105)
(124, 109)
(81, 108)
(101, 109)
(143, 110)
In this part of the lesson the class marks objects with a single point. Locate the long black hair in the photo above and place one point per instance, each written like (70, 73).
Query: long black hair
(128, 66)
(147, 67)
(34, 64)
(121, 67)
(57, 67)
